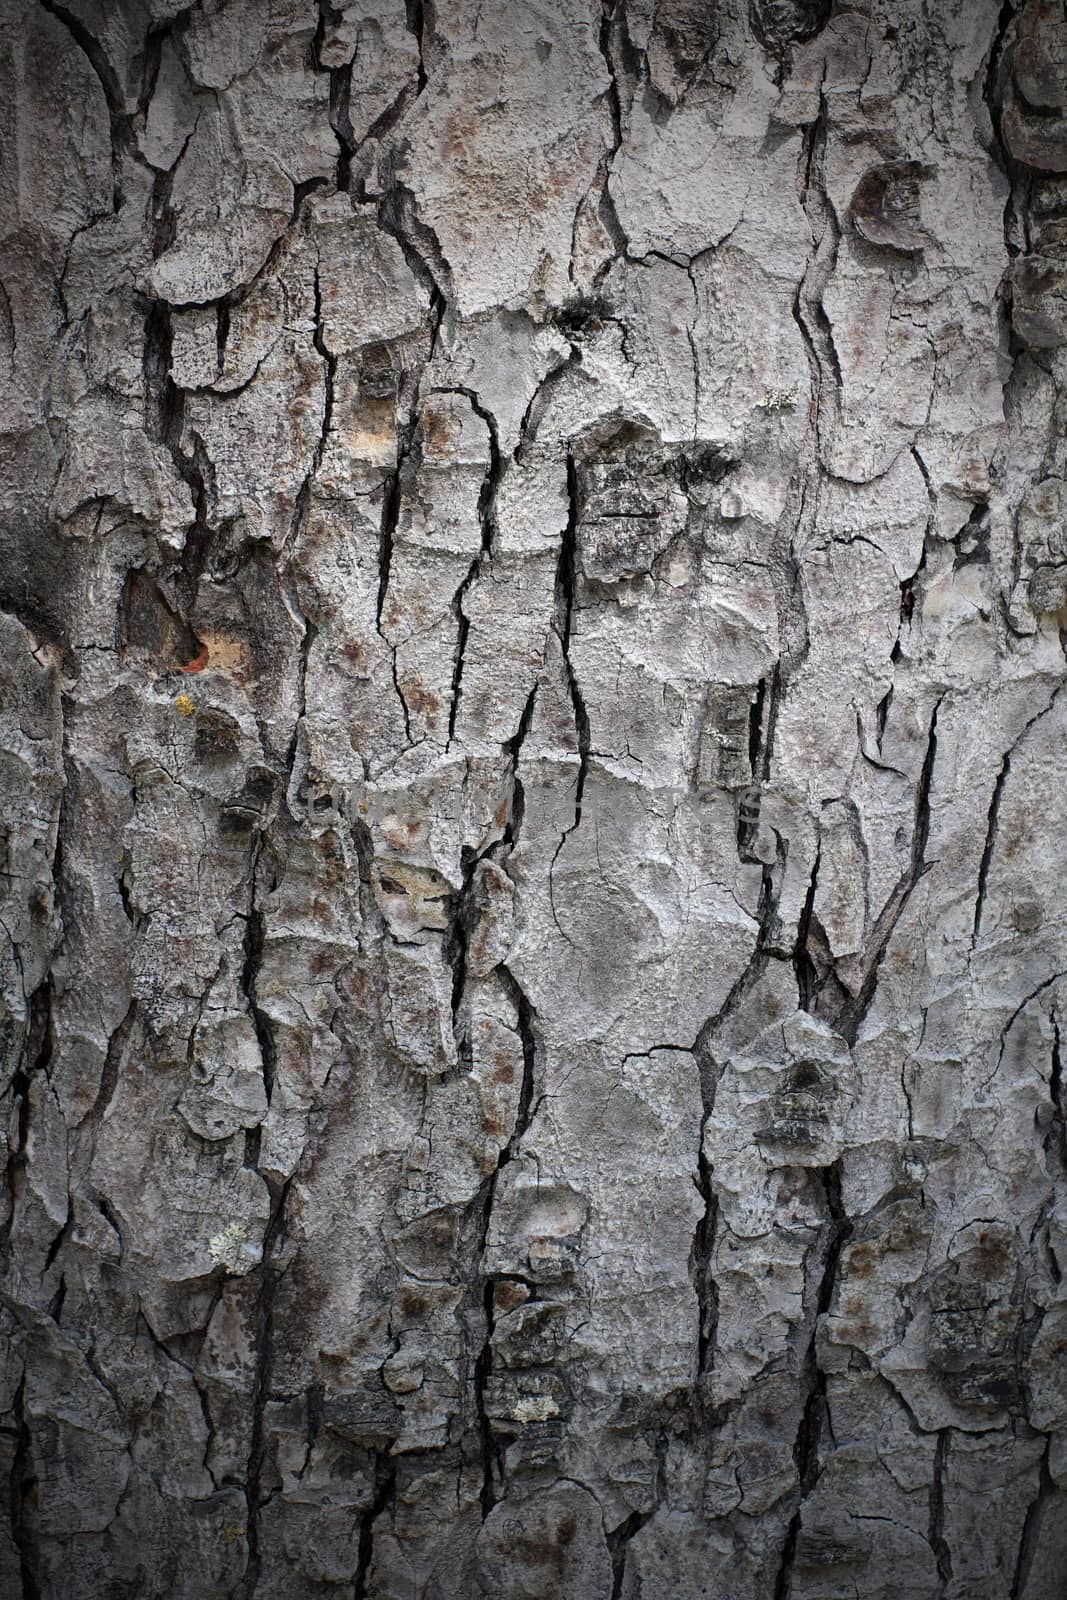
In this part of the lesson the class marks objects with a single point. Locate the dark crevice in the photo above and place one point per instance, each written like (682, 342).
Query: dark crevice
(809, 313)
(255, 929)
(165, 425)
(936, 1535)
(483, 1367)
(701, 1257)
(267, 1274)
(766, 944)
(254, 944)
(387, 533)
(992, 93)
(566, 588)
(524, 1020)
(1046, 1491)
(487, 523)
(755, 726)
(384, 1493)
(854, 1010)
(882, 715)
(351, 148)
(703, 1247)
(517, 796)
(813, 1417)
(121, 133)
(456, 939)
(23, 1501)
(1056, 1138)
(407, 450)
(329, 374)
(340, 96)
(990, 843)
(398, 216)
(618, 54)
(618, 1541)
(774, 701)
(109, 1077)
(803, 965)
(524, 1112)
(784, 1575)
(415, 16)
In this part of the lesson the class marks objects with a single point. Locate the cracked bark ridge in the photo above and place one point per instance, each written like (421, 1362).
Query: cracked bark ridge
(531, 603)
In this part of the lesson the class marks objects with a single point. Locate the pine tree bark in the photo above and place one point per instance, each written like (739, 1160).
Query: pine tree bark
(531, 591)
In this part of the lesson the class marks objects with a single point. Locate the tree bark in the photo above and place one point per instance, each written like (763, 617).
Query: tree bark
(531, 583)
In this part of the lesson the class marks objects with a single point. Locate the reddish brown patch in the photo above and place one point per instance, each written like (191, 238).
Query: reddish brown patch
(422, 700)
(412, 1303)
(567, 1529)
(507, 1296)
(199, 661)
(861, 1261)
(437, 430)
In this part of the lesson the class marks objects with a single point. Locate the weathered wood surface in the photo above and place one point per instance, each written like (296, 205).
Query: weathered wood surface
(535, 802)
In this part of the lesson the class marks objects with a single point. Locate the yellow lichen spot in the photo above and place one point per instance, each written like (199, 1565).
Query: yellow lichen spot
(185, 705)
(232, 1531)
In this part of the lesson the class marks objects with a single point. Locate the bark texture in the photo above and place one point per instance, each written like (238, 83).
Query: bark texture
(533, 558)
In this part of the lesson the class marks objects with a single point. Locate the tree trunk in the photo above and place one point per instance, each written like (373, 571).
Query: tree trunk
(535, 800)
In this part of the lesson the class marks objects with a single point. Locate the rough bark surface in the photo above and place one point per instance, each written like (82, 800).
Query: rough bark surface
(533, 558)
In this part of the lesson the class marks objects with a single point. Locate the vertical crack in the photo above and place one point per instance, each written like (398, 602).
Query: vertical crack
(618, 1542)
(703, 1247)
(384, 1490)
(936, 1535)
(487, 523)
(809, 312)
(329, 371)
(120, 123)
(813, 1416)
(612, 33)
(524, 1114)
(803, 965)
(990, 843)
(1057, 1133)
(517, 794)
(1046, 1491)
(34, 1057)
(23, 1499)
(992, 94)
(766, 934)
(854, 1010)
(254, 942)
(268, 1273)
(415, 17)
(566, 586)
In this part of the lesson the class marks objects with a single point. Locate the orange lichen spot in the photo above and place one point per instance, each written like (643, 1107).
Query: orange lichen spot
(198, 663)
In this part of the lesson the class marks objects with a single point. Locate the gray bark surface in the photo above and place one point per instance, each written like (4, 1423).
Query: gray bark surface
(534, 799)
